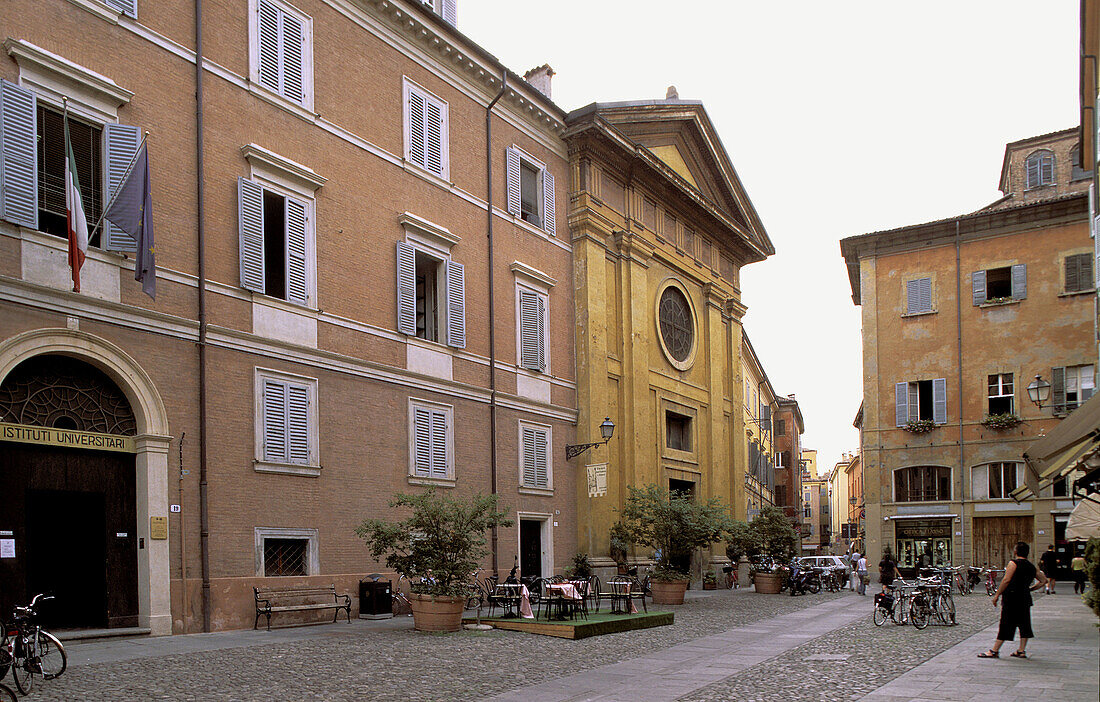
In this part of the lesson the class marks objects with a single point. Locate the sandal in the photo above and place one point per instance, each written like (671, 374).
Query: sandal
(1018, 654)
(990, 654)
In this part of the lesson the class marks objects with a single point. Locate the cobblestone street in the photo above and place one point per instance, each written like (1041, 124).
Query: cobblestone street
(389, 661)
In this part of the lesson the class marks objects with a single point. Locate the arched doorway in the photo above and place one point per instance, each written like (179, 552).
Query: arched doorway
(83, 468)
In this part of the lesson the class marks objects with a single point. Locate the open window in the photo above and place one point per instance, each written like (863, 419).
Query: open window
(275, 238)
(920, 400)
(999, 284)
(530, 189)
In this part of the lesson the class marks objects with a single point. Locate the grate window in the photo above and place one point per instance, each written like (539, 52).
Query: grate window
(285, 557)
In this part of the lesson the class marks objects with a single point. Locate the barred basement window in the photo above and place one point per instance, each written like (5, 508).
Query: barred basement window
(284, 557)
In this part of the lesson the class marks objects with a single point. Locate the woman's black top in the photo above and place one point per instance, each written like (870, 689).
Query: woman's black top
(1019, 587)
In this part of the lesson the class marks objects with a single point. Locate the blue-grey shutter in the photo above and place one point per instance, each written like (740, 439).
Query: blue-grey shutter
(297, 424)
(126, 7)
(977, 285)
(939, 401)
(542, 474)
(270, 39)
(406, 289)
(901, 404)
(439, 444)
(456, 305)
(912, 297)
(120, 142)
(422, 442)
(530, 337)
(275, 421)
(530, 475)
(542, 332)
(1019, 281)
(450, 12)
(511, 161)
(297, 289)
(1058, 389)
(18, 155)
(250, 222)
(548, 209)
(292, 47)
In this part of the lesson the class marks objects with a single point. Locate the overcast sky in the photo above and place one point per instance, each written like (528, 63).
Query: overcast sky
(841, 118)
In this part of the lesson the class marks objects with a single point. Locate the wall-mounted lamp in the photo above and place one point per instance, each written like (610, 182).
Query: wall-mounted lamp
(1038, 391)
(607, 429)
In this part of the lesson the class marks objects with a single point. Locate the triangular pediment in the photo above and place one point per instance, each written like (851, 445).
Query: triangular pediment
(672, 156)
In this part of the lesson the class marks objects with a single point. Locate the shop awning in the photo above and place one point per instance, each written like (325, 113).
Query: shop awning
(1062, 450)
(1084, 521)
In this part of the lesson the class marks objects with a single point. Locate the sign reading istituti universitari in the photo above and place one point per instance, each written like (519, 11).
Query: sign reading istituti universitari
(48, 436)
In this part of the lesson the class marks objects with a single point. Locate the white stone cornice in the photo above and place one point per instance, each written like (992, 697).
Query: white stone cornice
(533, 275)
(265, 160)
(56, 77)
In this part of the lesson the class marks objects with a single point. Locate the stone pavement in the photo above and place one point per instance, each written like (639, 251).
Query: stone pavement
(1063, 663)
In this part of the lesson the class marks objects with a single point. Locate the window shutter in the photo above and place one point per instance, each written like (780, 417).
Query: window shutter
(939, 401)
(406, 289)
(121, 144)
(433, 137)
(977, 284)
(422, 442)
(1073, 273)
(530, 475)
(1046, 177)
(1086, 278)
(1058, 390)
(1086, 383)
(542, 474)
(18, 155)
(901, 404)
(270, 39)
(126, 7)
(548, 219)
(912, 295)
(456, 305)
(416, 128)
(511, 161)
(530, 339)
(297, 424)
(979, 482)
(292, 48)
(450, 12)
(275, 421)
(542, 333)
(296, 288)
(250, 215)
(439, 444)
(1019, 281)
(925, 294)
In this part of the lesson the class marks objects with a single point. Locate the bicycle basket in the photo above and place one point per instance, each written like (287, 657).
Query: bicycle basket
(884, 601)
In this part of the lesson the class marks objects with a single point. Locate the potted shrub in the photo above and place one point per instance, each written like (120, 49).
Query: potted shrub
(436, 548)
(581, 568)
(776, 539)
(671, 523)
(617, 550)
(710, 580)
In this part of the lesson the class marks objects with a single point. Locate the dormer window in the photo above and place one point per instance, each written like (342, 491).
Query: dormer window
(1040, 169)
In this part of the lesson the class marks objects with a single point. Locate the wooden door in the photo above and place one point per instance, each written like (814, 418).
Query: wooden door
(996, 537)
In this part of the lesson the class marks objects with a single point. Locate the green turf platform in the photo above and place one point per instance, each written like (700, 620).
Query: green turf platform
(580, 628)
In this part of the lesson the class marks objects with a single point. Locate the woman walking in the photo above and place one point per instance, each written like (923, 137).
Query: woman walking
(1016, 610)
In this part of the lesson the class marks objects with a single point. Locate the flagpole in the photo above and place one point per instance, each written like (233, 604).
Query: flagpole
(121, 182)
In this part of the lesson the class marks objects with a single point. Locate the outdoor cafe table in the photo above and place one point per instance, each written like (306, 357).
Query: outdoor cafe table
(515, 595)
(567, 591)
(621, 601)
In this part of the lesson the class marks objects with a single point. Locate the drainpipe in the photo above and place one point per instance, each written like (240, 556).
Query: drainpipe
(204, 508)
(959, 346)
(492, 325)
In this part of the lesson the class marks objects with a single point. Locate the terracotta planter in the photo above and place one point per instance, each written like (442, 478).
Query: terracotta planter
(768, 583)
(710, 586)
(437, 612)
(671, 593)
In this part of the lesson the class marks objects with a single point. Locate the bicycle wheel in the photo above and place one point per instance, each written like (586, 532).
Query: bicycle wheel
(919, 614)
(51, 655)
(879, 616)
(814, 587)
(7, 694)
(20, 670)
(947, 609)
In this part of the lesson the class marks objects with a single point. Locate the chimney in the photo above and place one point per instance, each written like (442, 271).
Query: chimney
(539, 78)
(671, 93)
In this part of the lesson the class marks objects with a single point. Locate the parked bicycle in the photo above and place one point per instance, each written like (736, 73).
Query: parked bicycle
(33, 651)
(730, 579)
(992, 580)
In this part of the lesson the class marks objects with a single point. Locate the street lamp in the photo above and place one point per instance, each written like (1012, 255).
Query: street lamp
(607, 429)
(1038, 391)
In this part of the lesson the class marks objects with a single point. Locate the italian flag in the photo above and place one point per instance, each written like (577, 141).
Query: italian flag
(74, 213)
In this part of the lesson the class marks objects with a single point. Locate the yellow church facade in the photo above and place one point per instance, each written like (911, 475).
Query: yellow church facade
(660, 227)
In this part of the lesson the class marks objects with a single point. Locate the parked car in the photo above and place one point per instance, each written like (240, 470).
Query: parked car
(826, 562)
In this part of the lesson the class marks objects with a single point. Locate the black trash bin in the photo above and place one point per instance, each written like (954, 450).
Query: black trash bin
(375, 599)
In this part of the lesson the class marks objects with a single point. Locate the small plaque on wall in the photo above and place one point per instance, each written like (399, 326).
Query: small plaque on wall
(158, 528)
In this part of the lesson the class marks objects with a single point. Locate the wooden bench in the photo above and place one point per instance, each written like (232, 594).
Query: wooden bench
(270, 600)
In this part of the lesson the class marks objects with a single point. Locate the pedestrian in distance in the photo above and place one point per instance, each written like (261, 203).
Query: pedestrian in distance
(861, 569)
(1048, 564)
(853, 582)
(887, 570)
(1016, 588)
(1077, 566)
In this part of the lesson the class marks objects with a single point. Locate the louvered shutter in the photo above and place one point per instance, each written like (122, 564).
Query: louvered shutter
(939, 401)
(542, 470)
(297, 289)
(548, 208)
(298, 424)
(1019, 281)
(275, 421)
(422, 442)
(912, 295)
(901, 404)
(456, 305)
(1085, 274)
(270, 39)
(926, 294)
(439, 444)
(126, 7)
(18, 155)
(1033, 171)
(1073, 273)
(530, 331)
(450, 12)
(292, 49)
(979, 482)
(977, 285)
(1058, 390)
(121, 143)
(1047, 175)
(433, 137)
(250, 215)
(511, 161)
(416, 128)
(406, 289)
(530, 474)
